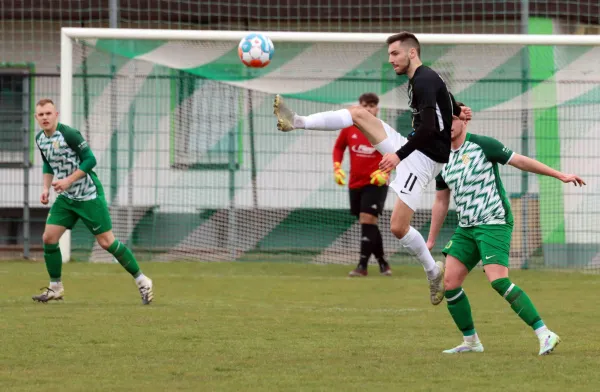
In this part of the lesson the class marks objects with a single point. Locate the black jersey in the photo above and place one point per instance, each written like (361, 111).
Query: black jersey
(427, 89)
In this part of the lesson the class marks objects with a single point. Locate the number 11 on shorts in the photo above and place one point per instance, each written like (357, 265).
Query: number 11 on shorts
(411, 180)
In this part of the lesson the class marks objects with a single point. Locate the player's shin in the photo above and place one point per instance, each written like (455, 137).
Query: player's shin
(125, 258)
(519, 302)
(368, 240)
(460, 310)
(378, 251)
(53, 259)
(414, 243)
(324, 121)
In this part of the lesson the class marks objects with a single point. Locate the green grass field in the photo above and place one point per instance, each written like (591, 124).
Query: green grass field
(285, 327)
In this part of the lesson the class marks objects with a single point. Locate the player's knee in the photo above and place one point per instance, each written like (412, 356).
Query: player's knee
(104, 242)
(399, 229)
(49, 238)
(358, 112)
(451, 282)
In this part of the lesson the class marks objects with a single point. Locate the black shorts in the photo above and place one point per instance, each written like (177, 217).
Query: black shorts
(369, 199)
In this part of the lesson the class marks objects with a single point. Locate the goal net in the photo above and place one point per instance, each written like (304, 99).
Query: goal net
(194, 168)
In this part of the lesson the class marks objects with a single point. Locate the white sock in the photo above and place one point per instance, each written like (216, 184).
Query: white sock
(324, 121)
(472, 339)
(387, 146)
(54, 284)
(414, 244)
(140, 278)
(541, 330)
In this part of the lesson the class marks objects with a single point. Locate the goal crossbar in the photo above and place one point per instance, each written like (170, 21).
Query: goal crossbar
(286, 36)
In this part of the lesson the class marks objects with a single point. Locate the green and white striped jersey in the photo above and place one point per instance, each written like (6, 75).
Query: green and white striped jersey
(63, 153)
(473, 178)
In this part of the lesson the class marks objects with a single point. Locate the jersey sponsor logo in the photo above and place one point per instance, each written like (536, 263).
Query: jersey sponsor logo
(466, 159)
(95, 228)
(56, 144)
(449, 244)
(374, 206)
(354, 136)
(82, 145)
(489, 257)
(364, 150)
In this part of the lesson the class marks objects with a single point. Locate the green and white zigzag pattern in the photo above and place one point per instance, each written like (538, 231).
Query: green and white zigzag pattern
(471, 178)
(64, 161)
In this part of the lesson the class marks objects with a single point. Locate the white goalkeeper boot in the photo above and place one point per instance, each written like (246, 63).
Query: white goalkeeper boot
(285, 116)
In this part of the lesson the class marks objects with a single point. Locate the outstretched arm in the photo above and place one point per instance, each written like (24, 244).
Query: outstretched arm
(531, 165)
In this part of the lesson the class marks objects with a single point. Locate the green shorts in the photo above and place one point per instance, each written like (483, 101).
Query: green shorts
(94, 214)
(488, 243)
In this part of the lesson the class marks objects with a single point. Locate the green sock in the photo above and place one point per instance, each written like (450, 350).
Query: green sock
(460, 310)
(125, 258)
(519, 302)
(53, 259)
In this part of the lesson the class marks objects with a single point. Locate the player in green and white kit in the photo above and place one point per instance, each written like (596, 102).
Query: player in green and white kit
(67, 156)
(485, 229)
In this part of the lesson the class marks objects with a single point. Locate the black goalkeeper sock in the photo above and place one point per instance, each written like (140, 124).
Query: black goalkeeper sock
(378, 247)
(368, 240)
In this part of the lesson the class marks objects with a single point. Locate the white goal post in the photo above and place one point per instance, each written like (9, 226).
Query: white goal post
(69, 35)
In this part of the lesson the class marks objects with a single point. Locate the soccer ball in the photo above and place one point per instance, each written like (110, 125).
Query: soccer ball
(256, 50)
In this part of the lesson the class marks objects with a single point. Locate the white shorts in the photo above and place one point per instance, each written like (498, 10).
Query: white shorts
(412, 174)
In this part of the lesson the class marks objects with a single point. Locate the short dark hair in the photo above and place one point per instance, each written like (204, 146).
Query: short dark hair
(460, 103)
(44, 101)
(405, 37)
(369, 98)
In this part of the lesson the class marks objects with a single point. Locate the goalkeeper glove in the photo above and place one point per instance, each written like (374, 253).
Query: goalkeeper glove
(379, 178)
(338, 173)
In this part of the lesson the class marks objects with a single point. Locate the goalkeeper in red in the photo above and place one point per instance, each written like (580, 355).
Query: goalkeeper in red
(368, 188)
(68, 164)
(484, 232)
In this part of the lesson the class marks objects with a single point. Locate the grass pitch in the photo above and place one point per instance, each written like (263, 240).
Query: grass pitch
(285, 327)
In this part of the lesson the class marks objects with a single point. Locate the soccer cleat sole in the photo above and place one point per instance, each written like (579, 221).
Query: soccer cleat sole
(437, 301)
(45, 301)
(283, 124)
(147, 294)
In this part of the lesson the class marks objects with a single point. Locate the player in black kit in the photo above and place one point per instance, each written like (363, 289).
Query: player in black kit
(417, 159)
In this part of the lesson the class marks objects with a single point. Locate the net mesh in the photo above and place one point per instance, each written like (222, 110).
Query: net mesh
(30, 29)
(30, 43)
(194, 168)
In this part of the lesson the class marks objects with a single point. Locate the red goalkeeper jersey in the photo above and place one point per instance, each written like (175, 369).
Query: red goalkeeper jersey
(364, 158)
